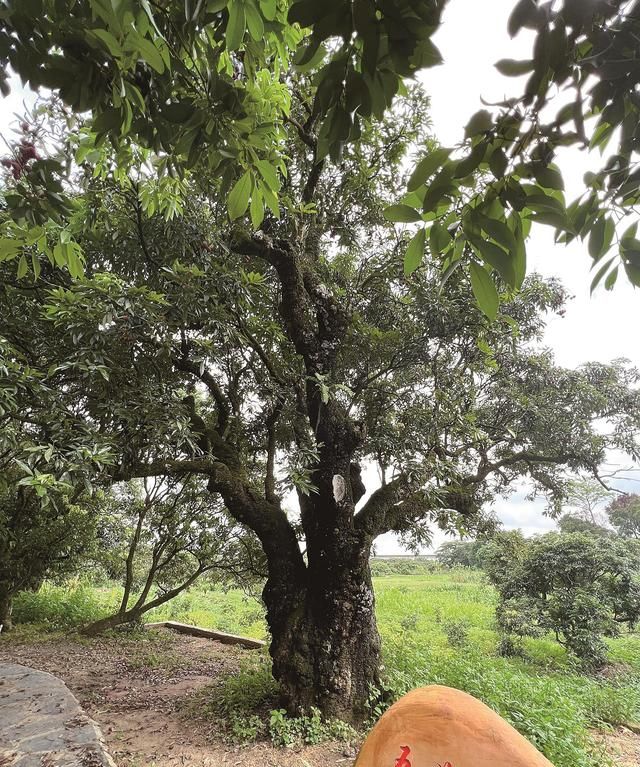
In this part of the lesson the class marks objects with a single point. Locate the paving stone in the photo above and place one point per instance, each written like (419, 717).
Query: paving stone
(43, 725)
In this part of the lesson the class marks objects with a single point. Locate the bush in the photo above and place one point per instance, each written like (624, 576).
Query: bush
(402, 566)
(568, 584)
(61, 607)
(308, 730)
(457, 633)
(508, 647)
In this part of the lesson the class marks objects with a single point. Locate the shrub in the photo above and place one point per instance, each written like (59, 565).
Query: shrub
(508, 647)
(402, 566)
(308, 730)
(569, 584)
(457, 633)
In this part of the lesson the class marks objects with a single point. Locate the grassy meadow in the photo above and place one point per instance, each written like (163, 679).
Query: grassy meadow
(437, 627)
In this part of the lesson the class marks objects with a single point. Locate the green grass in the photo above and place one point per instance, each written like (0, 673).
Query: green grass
(436, 628)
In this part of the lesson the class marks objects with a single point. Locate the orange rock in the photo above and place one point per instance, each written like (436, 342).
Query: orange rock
(441, 727)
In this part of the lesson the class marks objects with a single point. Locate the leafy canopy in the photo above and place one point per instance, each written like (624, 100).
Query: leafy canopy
(569, 584)
(206, 86)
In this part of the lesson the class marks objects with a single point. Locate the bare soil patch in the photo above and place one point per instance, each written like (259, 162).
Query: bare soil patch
(139, 690)
(621, 745)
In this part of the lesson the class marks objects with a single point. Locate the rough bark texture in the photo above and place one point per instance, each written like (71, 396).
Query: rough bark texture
(326, 648)
(325, 643)
(6, 609)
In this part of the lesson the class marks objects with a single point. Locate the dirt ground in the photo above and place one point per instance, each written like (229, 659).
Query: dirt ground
(140, 692)
(144, 695)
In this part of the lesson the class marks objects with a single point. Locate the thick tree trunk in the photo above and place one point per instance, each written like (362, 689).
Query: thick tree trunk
(6, 609)
(325, 646)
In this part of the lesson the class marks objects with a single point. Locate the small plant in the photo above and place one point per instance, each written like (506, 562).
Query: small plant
(409, 623)
(306, 730)
(508, 647)
(457, 633)
(245, 729)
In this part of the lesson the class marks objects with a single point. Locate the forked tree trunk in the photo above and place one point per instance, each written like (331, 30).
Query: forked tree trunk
(325, 646)
(6, 609)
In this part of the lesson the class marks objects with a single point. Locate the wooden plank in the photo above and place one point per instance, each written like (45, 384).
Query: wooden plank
(219, 636)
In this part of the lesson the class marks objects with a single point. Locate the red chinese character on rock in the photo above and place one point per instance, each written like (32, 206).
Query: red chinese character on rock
(402, 760)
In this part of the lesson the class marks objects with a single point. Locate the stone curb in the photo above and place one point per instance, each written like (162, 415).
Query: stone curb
(43, 725)
(220, 636)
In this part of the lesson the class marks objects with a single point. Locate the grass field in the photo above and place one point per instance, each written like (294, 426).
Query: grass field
(436, 628)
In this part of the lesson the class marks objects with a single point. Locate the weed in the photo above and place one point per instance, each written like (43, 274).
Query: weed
(457, 633)
(306, 730)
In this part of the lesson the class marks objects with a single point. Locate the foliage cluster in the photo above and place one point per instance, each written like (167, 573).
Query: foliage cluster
(402, 566)
(568, 584)
(41, 535)
(461, 554)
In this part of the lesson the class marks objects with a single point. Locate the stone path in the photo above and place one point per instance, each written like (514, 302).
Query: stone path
(42, 724)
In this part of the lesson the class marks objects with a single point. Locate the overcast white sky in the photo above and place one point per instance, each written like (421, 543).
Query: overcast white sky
(599, 327)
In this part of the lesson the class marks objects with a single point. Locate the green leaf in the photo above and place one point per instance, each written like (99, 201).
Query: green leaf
(600, 273)
(513, 68)
(256, 210)
(497, 258)
(109, 119)
(105, 37)
(499, 231)
(470, 163)
(135, 43)
(254, 22)
(439, 238)
(633, 273)
(498, 162)
(484, 290)
(481, 122)
(8, 248)
(519, 255)
(600, 237)
(238, 200)
(23, 267)
(269, 9)
(401, 214)
(415, 252)
(35, 264)
(269, 174)
(427, 167)
(548, 176)
(525, 14)
(611, 279)
(236, 25)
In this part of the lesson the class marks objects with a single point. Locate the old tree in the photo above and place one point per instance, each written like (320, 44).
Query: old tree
(295, 357)
(282, 356)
